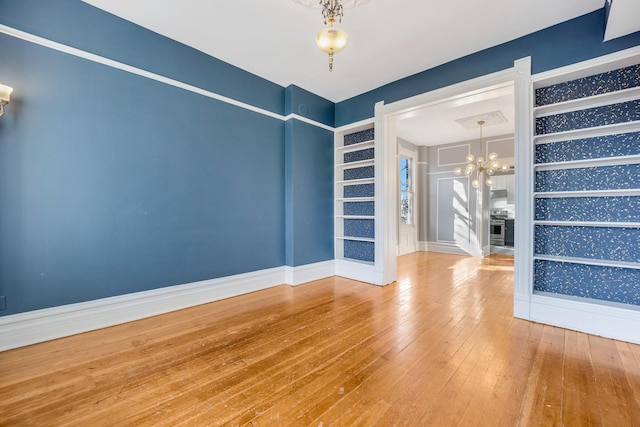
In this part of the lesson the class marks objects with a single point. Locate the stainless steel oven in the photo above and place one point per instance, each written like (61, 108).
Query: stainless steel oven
(497, 232)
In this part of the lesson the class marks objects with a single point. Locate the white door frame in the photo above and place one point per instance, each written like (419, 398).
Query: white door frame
(413, 155)
(385, 123)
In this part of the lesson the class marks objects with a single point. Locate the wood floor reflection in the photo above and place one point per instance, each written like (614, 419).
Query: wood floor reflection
(437, 348)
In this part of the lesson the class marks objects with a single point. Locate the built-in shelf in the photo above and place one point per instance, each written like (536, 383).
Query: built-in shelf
(357, 239)
(355, 199)
(356, 181)
(356, 216)
(355, 147)
(589, 163)
(588, 261)
(587, 193)
(613, 129)
(616, 97)
(358, 164)
(589, 224)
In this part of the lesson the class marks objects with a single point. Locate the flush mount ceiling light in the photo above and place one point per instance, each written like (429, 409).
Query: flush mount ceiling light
(331, 39)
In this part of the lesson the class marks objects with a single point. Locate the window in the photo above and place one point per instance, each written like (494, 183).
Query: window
(406, 191)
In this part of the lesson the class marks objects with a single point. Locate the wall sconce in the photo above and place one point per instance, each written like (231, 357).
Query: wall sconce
(5, 95)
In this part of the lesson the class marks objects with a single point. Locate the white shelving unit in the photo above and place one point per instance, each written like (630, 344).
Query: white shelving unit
(339, 194)
(576, 105)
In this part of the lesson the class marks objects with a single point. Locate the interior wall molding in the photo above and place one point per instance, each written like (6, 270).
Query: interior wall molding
(41, 41)
(36, 326)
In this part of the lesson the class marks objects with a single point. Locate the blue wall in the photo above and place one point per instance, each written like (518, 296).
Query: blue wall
(309, 193)
(569, 42)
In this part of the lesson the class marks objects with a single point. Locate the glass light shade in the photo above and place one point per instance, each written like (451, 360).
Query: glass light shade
(470, 167)
(493, 156)
(5, 93)
(490, 171)
(475, 183)
(479, 160)
(468, 172)
(457, 171)
(489, 182)
(495, 164)
(504, 168)
(470, 158)
(331, 39)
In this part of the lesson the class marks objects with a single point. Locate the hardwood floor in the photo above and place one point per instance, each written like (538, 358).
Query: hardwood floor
(438, 348)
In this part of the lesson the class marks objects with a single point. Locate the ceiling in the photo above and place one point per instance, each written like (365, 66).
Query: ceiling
(388, 39)
(436, 124)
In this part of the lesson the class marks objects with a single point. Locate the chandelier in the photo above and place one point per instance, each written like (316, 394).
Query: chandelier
(479, 165)
(331, 39)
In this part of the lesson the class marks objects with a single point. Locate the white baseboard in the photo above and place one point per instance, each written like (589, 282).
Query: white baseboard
(423, 246)
(603, 320)
(308, 273)
(359, 271)
(36, 326)
(447, 248)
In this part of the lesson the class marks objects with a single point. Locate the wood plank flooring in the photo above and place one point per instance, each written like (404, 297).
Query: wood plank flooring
(437, 348)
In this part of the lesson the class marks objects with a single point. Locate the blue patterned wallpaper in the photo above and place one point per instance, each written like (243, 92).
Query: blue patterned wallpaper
(362, 136)
(591, 117)
(361, 190)
(623, 144)
(598, 84)
(614, 284)
(363, 251)
(358, 173)
(359, 208)
(607, 209)
(353, 249)
(356, 156)
(617, 177)
(359, 228)
(603, 243)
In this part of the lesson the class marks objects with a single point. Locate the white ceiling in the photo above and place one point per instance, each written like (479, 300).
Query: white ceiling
(436, 124)
(388, 39)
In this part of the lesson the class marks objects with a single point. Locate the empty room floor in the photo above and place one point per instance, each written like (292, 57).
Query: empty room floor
(439, 347)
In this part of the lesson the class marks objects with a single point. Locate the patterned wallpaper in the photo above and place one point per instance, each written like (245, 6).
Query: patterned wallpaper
(587, 246)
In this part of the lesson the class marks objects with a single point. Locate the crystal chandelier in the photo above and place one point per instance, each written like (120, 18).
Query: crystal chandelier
(480, 165)
(331, 39)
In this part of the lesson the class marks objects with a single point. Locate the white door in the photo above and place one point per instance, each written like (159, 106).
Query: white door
(407, 230)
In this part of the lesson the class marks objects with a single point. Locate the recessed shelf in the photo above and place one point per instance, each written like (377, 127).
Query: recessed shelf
(588, 261)
(358, 261)
(359, 163)
(357, 239)
(356, 181)
(589, 163)
(356, 199)
(588, 193)
(589, 224)
(611, 129)
(610, 98)
(355, 147)
(355, 216)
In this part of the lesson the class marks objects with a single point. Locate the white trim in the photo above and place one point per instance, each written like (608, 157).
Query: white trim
(295, 276)
(4, 29)
(360, 271)
(603, 320)
(309, 121)
(523, 153)
(365, 124)
(36, 326)
(448, 148)
(446, 248)
(423, 246)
